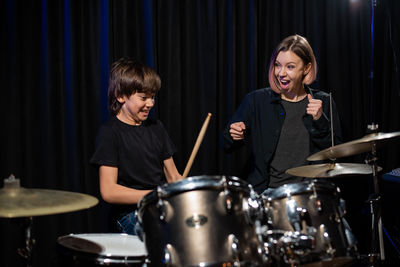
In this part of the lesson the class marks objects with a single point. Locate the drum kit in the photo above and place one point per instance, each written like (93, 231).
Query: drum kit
(221, 220)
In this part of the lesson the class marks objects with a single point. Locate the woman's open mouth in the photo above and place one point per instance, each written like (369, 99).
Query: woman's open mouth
(284, 83)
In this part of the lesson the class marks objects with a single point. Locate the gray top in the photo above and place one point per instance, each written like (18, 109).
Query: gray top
(293, 146)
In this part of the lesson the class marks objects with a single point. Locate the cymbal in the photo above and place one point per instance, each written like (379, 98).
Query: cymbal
(331, 170)
(355, 147)
(16, 201)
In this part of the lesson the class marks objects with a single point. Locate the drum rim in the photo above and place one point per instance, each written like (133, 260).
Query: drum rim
(194, 183)
(301, 187)
(102, 259)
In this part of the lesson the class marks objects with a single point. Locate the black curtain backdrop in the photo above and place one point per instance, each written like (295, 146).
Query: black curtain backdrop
(55, 58)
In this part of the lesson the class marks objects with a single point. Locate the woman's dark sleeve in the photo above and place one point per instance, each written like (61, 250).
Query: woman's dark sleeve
(243, 114)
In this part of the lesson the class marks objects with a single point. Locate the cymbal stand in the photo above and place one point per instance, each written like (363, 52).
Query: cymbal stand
(26, 252)
(377, 246)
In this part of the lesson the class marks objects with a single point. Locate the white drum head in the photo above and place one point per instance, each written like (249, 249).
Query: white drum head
(109, 245)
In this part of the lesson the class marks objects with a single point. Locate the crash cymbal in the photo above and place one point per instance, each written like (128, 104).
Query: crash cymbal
(16, 201)
(331, 170)
(355, 147)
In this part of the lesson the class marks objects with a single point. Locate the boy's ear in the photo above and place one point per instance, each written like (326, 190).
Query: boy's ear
(121, 99)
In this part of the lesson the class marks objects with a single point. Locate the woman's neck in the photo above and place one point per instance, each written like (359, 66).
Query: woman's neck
(294, 96)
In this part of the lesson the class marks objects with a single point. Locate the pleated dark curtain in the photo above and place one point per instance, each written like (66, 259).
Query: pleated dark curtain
(55, 57)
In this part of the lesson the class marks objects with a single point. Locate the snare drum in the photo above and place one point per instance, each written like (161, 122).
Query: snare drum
(101, 250)
(310, 213)
(200, 221)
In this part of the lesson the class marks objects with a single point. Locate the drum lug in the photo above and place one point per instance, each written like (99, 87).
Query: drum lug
(295, 245)
(169, 259)
(342, 207)
(227, 194)
(267, 214)
(317, 201)
(318, 205)
(297, 217)
(228, 202)
(251, 207)
(162, 210)
(293, 214)
(161, 205)
(234, 247)
(335, 218)
(326, 240)
(263, 248)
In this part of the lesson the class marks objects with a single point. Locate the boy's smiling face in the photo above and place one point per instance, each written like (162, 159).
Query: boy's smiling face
(135, 108)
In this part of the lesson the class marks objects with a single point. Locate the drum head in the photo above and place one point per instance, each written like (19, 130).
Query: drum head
(99, 249)
(105, 244)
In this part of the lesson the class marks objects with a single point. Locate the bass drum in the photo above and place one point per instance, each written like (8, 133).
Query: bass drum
(306, 221)
(101, 250)
(201, 221)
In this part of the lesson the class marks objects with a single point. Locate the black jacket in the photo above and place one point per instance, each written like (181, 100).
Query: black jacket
(262, 113)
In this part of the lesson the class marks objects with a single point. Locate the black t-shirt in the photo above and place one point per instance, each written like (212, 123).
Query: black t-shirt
(138, 151)
(293, 146)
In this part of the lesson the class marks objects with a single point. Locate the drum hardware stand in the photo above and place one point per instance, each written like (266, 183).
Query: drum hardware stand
(331, 117)
(332, 131)
(26, 252)
(377, 247)
(375, 203)
(12, 185)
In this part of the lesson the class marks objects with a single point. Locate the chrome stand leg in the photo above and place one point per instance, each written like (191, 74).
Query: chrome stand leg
(26, 252)
(377, 247)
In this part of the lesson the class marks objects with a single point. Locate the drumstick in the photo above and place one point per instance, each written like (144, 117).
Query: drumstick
(196, 146)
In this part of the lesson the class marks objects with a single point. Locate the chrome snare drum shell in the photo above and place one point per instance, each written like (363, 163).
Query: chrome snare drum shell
(202, 220)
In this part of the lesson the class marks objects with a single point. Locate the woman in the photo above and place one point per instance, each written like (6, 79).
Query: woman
(286, 122)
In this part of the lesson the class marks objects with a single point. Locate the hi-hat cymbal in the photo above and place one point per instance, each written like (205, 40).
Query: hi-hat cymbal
(331, 170)
(16, 201)
(355, 147)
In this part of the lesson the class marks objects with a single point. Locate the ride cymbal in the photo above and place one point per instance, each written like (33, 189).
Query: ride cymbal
(355, 147)
(331, 170)
(16, 201)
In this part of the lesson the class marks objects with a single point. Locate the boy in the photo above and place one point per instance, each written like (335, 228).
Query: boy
(133, 153)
